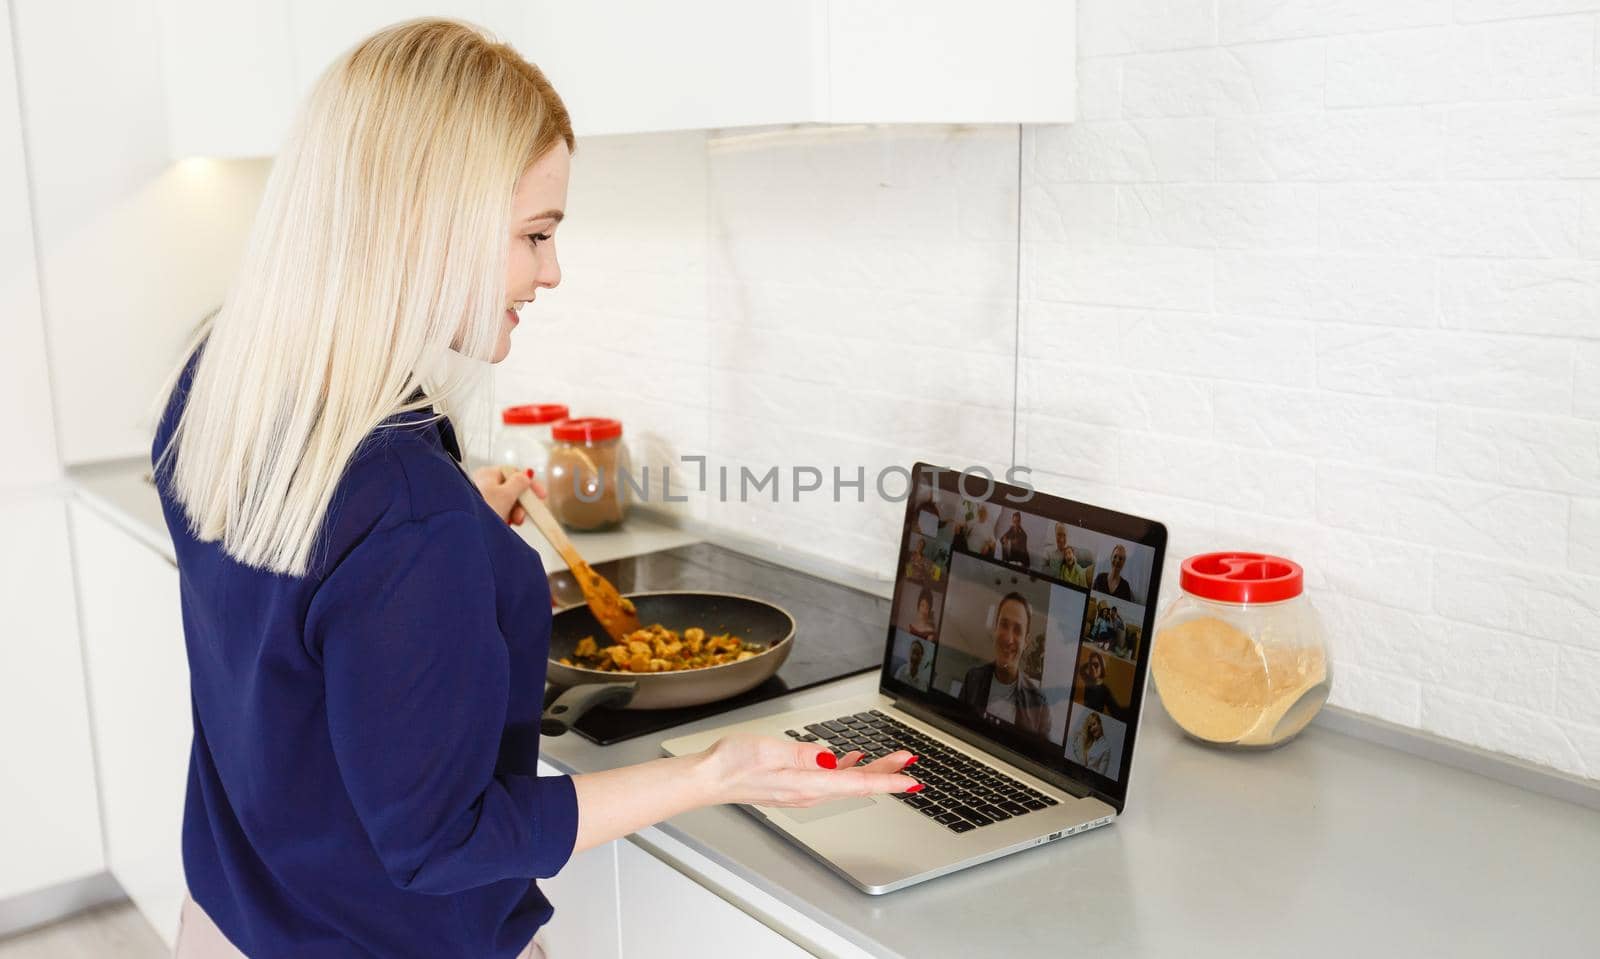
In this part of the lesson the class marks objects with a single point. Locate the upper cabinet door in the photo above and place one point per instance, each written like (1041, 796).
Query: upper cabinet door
(24, 372)
(227, 70)
(636, 66)
(951, 61)
(626, 66)
(237, 70)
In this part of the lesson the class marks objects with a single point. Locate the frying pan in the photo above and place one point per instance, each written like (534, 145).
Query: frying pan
(756, 622)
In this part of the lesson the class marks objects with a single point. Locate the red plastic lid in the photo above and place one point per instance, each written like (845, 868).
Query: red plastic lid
(534, 413)
(1242, 577)
(586, 429)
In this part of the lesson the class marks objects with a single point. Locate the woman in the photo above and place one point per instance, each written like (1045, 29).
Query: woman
(1089, 747)
(1111, 581)
(367, 640)
(924, 627)
(1093, 691)
(919, 568)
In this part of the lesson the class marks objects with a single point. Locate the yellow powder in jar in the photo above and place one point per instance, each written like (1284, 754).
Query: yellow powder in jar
(1221, 685)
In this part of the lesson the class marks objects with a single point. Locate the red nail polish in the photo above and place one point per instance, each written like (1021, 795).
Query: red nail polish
(909, 761)
(915, 788)
(530, 473)
(827, 761)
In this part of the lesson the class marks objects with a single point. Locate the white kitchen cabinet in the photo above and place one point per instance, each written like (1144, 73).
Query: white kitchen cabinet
(584, 895)
(228, 70)
(139, 688)
(630, 66)
(24, 374)
(236, 70)
(49, 821)
(585, 898)
(619, 902)
(666, 915)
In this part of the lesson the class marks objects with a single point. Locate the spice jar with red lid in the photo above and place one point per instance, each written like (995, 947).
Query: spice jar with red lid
(1240, 658)
(588, 473)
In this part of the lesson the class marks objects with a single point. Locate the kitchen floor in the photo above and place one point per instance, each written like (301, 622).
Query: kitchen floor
(97, 934)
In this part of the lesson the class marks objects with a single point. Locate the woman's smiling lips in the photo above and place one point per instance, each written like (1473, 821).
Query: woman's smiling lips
(513, 312)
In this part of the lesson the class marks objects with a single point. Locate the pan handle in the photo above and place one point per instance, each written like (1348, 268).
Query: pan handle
(570, 706)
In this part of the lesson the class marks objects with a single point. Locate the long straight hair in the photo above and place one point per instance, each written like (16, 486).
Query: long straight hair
(373, 282)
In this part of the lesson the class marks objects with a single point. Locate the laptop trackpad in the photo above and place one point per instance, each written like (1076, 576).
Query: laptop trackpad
(821, 811)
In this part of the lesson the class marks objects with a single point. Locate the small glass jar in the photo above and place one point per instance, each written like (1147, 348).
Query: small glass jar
(1240, 659)
(588, 473)
(523, 440)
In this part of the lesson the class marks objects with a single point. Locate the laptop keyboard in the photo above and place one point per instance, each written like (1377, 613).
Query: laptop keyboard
(959, 792)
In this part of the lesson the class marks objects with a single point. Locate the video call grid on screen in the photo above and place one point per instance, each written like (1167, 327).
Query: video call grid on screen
(1072, 636)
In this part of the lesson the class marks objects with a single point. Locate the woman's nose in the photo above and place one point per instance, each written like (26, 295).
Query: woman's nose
(550, 272)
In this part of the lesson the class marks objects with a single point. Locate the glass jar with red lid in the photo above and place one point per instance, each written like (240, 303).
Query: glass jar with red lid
(1240, 658)
(523, 440)
(589, 473)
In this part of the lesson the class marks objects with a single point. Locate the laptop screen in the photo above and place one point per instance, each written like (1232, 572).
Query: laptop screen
(1026, 619)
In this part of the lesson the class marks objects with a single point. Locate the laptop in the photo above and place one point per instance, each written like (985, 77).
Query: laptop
(1014, 668)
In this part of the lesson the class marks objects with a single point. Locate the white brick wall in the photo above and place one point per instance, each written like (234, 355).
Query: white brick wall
(1320, 277)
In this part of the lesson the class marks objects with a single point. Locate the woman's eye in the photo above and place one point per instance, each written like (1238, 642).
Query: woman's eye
(534, 239)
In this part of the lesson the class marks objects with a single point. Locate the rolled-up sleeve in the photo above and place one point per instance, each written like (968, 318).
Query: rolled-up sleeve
(416, 676)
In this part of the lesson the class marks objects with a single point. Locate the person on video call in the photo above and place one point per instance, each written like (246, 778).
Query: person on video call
(918, 569)
(914, 671)
(974, 533)
(924, 627)
(1096, 694)
(1112, 581)
(1014, 542)
(1000, 689)
(1100, 629)
(1061, 560)
(1090, 747)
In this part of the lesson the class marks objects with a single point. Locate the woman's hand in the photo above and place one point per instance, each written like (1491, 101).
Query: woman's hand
(768, 771)
(501, 489)
(737, 769)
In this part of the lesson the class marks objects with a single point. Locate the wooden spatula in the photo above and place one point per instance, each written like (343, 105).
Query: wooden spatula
(614, 611)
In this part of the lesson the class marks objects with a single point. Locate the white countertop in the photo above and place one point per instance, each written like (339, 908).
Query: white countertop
(1329, 846)
(1335, 845)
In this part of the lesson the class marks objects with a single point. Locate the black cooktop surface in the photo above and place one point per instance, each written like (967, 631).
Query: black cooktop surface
(839, 631)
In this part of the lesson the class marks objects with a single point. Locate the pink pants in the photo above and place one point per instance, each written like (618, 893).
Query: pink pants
(199, 938)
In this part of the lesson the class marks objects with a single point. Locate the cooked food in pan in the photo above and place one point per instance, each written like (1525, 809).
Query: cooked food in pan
(657, 649)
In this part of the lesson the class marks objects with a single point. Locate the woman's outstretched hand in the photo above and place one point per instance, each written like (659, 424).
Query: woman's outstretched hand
(501, 489)
(742, 768)
(768, 771)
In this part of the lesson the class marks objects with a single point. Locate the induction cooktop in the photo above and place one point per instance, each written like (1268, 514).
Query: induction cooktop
(839, 631)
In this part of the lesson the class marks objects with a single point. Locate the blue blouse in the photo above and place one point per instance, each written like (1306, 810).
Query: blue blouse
(362, 780)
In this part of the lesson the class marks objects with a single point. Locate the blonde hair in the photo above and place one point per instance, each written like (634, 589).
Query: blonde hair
(373, 282)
